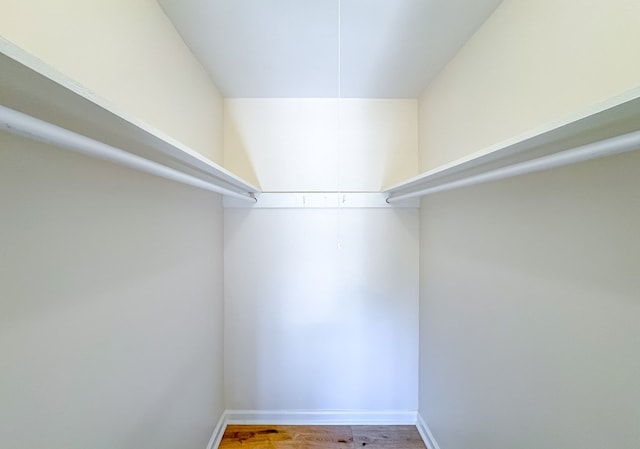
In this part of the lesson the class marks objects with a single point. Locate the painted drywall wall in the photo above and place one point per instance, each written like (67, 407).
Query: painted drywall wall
(529, 304)
(321, 144)
(128, 53)
(531, 63)
(321, 309)
(111, 309)
(530, 310)
(321, 304)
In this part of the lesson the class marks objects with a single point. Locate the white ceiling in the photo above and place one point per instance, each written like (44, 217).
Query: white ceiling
(289, 48)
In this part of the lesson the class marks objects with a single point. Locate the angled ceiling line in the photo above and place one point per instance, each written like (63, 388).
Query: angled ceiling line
(286, 49)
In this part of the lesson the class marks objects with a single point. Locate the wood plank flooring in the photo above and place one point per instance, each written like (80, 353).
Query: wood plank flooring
(321, 437)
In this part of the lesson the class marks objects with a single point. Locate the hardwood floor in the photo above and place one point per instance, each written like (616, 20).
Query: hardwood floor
(321, 437)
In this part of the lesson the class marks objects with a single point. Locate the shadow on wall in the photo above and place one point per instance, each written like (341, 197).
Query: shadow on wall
(236, 157)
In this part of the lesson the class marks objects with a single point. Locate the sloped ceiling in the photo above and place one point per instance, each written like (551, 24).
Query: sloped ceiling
(325, 48)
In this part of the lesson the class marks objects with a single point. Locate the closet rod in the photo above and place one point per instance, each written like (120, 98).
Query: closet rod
(27, 126)
(607, 147)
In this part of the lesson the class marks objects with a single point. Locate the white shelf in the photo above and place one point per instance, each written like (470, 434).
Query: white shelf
(31, 87)
(608, 128)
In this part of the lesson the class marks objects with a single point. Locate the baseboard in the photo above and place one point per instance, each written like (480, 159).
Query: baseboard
(319, 417)
(218, 432)
(425, 433)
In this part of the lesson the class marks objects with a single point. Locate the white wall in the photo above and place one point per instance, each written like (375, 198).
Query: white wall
(531, 63)
(530, 311)
(128, 53)
(321, 144)
(321, 309)
(111, 280)
(321, 304)
(529, 305)
(111, 311)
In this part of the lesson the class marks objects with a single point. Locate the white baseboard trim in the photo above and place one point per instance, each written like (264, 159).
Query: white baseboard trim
(426, 434)
(320, 417)
(218, 432)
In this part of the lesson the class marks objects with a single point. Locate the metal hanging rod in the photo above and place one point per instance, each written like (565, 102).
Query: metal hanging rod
(607, 147)
(27, 126)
